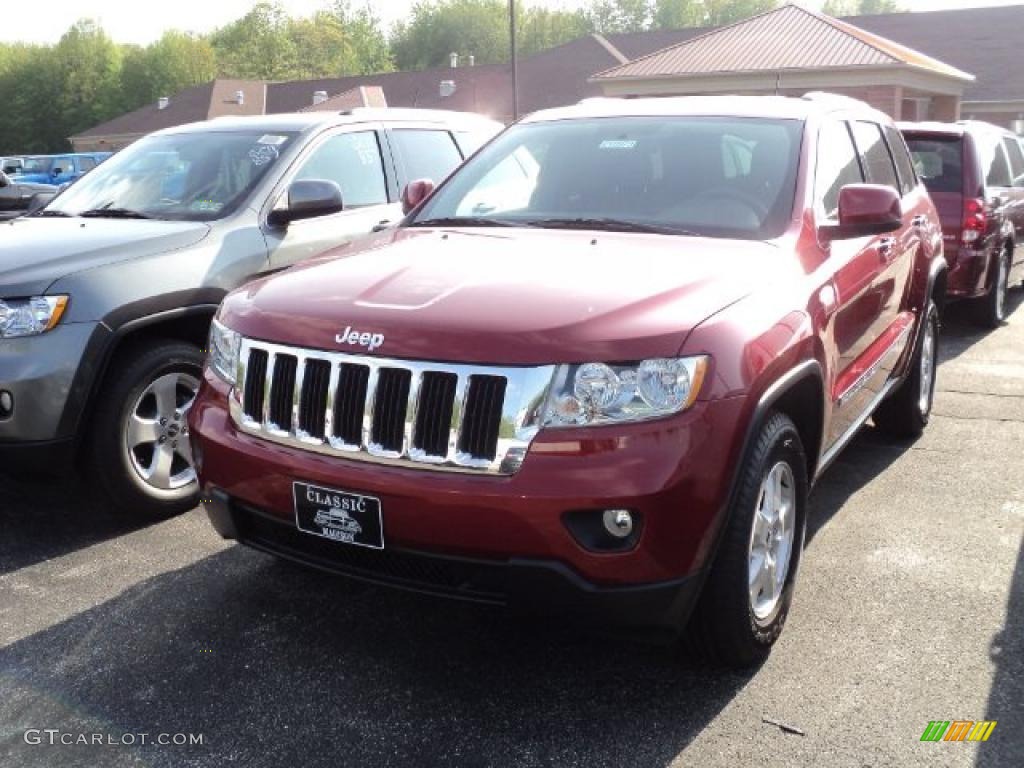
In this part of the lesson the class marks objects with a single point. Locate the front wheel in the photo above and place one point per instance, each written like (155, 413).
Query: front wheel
(141, 452)
(747, 596)
(905, 413)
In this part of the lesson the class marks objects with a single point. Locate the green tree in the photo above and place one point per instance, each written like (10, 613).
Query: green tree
(860, 7)
(368, 43)
(542, 28)
(258, 46)
(339, 42)
(171, 64)
(610, 16)
(86, 67)
(438, 28)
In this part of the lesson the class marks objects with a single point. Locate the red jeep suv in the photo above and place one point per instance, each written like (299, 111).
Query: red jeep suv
(975, 174)
(596, 371)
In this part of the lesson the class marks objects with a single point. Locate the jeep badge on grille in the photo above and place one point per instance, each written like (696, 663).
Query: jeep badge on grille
(354, 338)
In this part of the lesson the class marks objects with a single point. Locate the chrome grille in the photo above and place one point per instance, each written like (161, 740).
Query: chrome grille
(436, 415)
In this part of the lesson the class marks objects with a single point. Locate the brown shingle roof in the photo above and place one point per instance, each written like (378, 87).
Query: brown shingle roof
(786, 38)
(201, 102)
(984, 41)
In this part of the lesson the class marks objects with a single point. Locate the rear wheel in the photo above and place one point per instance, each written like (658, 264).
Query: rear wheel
(906, 412)
(747, 596)
(991, 309)
(141, 452)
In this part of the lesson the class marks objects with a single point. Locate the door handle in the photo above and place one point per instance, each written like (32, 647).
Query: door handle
(919, 221)
(380, 226)
(885, 246)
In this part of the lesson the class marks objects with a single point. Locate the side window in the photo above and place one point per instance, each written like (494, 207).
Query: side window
(427, 154)
(86, 164)
(353, 161)
(905, 166)
(837, 167)
(874, 154)
(994, 164)
(470, 141)
(1016, 154)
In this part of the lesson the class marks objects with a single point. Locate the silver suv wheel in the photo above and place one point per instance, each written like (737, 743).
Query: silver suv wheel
(771, 541)
(156, 434)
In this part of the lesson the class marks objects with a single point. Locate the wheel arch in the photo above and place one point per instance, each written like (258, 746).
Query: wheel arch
(189, 324)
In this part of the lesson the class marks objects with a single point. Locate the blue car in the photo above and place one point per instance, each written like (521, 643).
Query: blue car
(56, 170)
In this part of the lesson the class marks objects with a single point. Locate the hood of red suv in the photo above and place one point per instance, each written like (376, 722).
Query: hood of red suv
(504, 296)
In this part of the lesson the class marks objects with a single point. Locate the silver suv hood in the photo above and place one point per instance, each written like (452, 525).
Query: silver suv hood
(34, 252)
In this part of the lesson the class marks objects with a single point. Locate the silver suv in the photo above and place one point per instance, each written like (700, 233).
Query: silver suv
(107, 293)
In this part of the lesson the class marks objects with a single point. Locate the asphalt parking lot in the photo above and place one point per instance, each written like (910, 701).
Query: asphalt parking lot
(910, 608)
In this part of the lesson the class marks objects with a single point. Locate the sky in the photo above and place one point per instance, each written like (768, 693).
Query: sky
(142, 21)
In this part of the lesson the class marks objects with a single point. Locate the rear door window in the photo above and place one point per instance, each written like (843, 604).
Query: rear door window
(427, 154)
(938, 162)
(1016, 156)
(908, 181)
(874, 154)
(837, 167)
(994, 163)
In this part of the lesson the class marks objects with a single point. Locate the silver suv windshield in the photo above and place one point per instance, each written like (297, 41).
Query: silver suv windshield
(711, 176)
(185, 176)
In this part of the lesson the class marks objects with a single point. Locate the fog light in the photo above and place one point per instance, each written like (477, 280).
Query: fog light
(618, 522)
(6, 404)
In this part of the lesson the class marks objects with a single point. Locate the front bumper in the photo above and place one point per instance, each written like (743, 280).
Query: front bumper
(39, 372)
(521, 584)
(674, 474)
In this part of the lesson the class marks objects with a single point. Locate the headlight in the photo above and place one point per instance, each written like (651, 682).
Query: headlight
(597, 393)
(30, 317)
(224, 350)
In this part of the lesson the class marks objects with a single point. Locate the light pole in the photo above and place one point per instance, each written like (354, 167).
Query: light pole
(515, 62)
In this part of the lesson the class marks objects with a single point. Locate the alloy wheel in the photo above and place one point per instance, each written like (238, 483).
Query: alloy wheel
(156, 433)
(771, 541)
(924, 402)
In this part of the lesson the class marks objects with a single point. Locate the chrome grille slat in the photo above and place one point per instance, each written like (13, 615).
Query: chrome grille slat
(451, 417)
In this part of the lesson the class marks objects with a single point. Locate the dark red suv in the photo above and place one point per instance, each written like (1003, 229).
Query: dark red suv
(596, 371)
(975, 174)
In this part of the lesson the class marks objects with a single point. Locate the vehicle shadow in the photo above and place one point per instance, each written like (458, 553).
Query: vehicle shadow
(1006, 744)
(278, 665)
(43, 519)
(960, 331)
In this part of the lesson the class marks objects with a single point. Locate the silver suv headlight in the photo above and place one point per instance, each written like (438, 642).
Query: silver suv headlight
(600, 393)
(31, 316)
(224, 349)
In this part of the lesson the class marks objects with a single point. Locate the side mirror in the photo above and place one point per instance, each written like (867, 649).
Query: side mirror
(865, 209)
(308, 199)
(416, 192)
(56, 172)
(4, 181)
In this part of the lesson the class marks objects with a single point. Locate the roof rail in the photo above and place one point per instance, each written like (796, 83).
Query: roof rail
(836, 99)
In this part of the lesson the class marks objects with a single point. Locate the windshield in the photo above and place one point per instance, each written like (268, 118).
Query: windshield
(186, 176)
(713, 176)
(37, 165)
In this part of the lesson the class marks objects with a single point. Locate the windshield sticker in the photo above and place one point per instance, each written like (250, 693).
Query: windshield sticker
(206, 206)
(618, 144)
(263, 154)
(273, 140)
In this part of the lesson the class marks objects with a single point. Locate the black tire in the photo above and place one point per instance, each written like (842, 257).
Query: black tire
(905, 413)
(990, 309)
(114, 465)
(724, 627)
